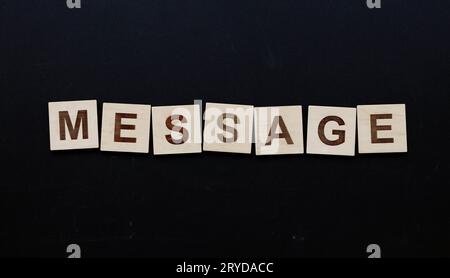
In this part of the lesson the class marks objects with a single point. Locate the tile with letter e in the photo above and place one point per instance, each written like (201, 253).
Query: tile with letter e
(382, 128)
(331, 130)
(176, 129)
(228, 128)
(278, 130)
(125, 128)
(73, 125)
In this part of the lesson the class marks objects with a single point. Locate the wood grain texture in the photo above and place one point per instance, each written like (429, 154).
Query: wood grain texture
(382, 128)
(331, 130)
(278, 130)
(237, 119)
(73, 125)
(176, 129)
(126, 128)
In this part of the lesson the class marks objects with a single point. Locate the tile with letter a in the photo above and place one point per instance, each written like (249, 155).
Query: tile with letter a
(73, 125)
(228, 128)
(331, 130)
(126, 128)
(382, 128)
(176, 129)
(278, 130)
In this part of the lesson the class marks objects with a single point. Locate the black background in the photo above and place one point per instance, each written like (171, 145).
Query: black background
(315, 52)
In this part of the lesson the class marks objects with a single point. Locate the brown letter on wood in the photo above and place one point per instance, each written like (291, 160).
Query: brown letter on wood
(340, 133)
(179, 129)
(220, 122)
(119, 126)
(278, 120)
(64, 119)
(374, 128)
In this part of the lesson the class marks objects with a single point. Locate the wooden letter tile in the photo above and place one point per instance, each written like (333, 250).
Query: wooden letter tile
(279, 130)
(228, 128)
(382, 128)
(176, 129)
(331, 130)
(73, 125)
(125, 128)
